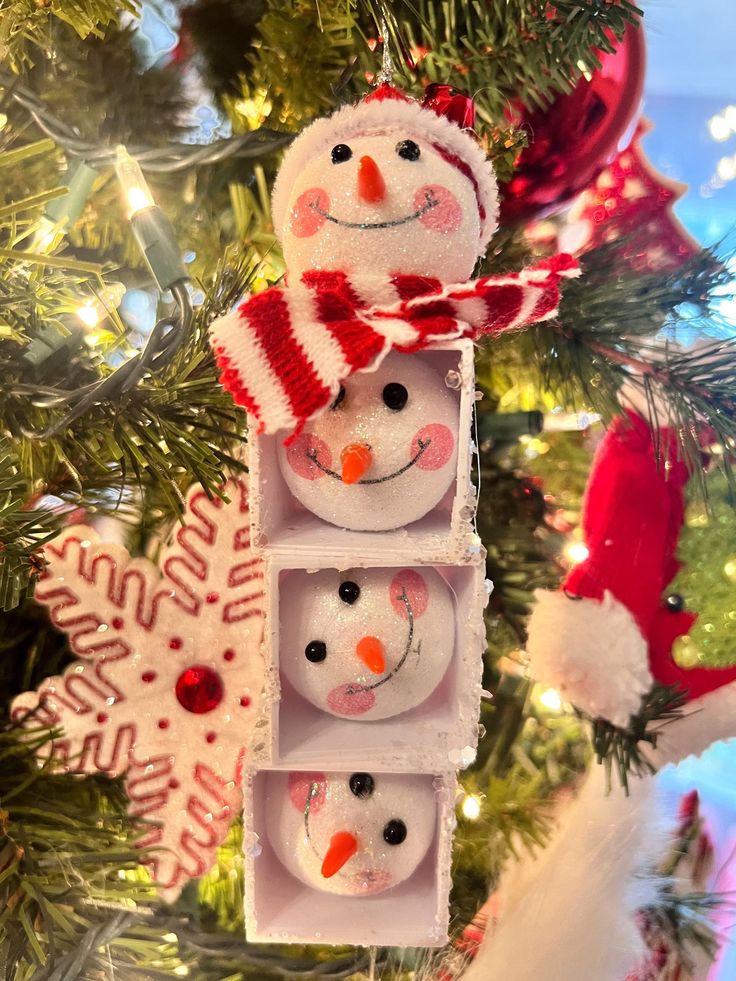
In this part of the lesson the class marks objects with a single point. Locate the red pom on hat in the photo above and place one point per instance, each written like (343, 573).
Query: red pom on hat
(387, 91)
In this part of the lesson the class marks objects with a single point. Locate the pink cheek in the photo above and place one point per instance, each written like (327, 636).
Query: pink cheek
(410, 582)
(440, 449)
(304, 218)
(300, 453)
(300, 788)
(446, 215)
(350, 700)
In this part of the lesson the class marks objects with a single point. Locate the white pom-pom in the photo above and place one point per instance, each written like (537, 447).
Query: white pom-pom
(592, 652)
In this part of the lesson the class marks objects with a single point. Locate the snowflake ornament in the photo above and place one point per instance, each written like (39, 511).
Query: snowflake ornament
(170, 681)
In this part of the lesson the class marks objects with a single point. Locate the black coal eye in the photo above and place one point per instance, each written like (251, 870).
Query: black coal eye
(362, 785)
(349, 592)
(395, 396)
(408, 150)
(340, 397)
(341, 153)
(315, 651)
(394, 832)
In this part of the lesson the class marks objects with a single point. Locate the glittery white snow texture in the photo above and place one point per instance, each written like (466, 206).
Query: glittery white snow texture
(426, 223)
(413, 449)
(403, 619)
(170, 680)
(307, 810)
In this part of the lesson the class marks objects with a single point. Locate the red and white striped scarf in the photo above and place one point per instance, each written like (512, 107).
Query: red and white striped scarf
(283, 353)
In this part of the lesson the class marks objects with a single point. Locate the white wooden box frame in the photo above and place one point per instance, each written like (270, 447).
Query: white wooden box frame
(282, 526)
(279, 908)
(439, 734)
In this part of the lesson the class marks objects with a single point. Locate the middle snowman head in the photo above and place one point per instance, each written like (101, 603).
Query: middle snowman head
(366, 644)
(384, 454)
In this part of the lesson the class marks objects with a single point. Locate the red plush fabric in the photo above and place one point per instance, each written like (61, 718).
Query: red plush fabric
(632, 518)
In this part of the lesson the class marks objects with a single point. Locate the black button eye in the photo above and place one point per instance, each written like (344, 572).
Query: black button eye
(315, 651)
(341, 153)
(395, 396)
(340, 398)
(408, 150)
(394, 832)
(349, 592)
(362, 785)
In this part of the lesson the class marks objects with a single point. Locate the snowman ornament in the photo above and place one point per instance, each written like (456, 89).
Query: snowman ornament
(382, 210)
(352, 834)
(368, 643)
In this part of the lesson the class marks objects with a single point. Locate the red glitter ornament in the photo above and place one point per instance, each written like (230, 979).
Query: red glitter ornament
(574, 137)
(199, 689)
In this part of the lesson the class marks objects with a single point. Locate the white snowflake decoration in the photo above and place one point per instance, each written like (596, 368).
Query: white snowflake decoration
(169, 687)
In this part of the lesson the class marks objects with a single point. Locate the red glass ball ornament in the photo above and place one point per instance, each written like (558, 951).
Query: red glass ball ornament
(199, 689)
(574, 138)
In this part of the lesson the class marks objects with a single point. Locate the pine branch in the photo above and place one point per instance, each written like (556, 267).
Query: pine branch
(615, 327)
(619, 749)
(27, 27)
(528, 50)
(22, 533)
(68, 866)
(174, 427)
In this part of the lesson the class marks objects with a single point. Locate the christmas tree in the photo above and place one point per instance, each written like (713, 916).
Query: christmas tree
(139, 149)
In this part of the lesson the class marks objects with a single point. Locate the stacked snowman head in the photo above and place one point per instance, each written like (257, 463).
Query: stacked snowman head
(366, 644)
(354, 834)
(388, 188)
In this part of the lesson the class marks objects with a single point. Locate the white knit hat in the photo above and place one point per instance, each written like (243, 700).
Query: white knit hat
(388, 108)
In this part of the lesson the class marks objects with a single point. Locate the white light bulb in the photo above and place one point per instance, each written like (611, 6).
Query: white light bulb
(470, 807)
(89, 315)
(576, 552)
(137, 194)
(551, 700)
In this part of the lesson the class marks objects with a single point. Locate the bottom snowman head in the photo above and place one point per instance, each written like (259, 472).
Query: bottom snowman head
(353, 834)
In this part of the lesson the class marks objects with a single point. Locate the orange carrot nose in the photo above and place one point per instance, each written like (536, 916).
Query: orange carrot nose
(370, 652)
(343, 846)
(355, 459)
(371, 185)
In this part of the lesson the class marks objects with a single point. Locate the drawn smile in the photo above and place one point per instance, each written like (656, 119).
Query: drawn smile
(355, 688)
(423, 445)
(430, 201)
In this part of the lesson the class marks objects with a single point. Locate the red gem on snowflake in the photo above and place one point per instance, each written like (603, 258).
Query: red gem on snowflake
(134, 704)
(199, 689)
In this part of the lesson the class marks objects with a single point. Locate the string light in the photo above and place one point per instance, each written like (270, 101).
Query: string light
(551, 699)
(94, 310)
(151, 227)
(576, 552)
(471, 807)
(135, 190)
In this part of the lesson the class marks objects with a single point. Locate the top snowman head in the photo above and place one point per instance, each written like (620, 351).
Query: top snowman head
(386, 186)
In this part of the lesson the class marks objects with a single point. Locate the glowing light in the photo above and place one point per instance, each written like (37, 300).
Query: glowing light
(576, 552)
(470, 807)
(719, 128)
(170, 938)
(93, 311)
(136, 192)
(182, 970)
(137, 200)
(584, 70)
(89, 315)
(726, 168)
(551, 699)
